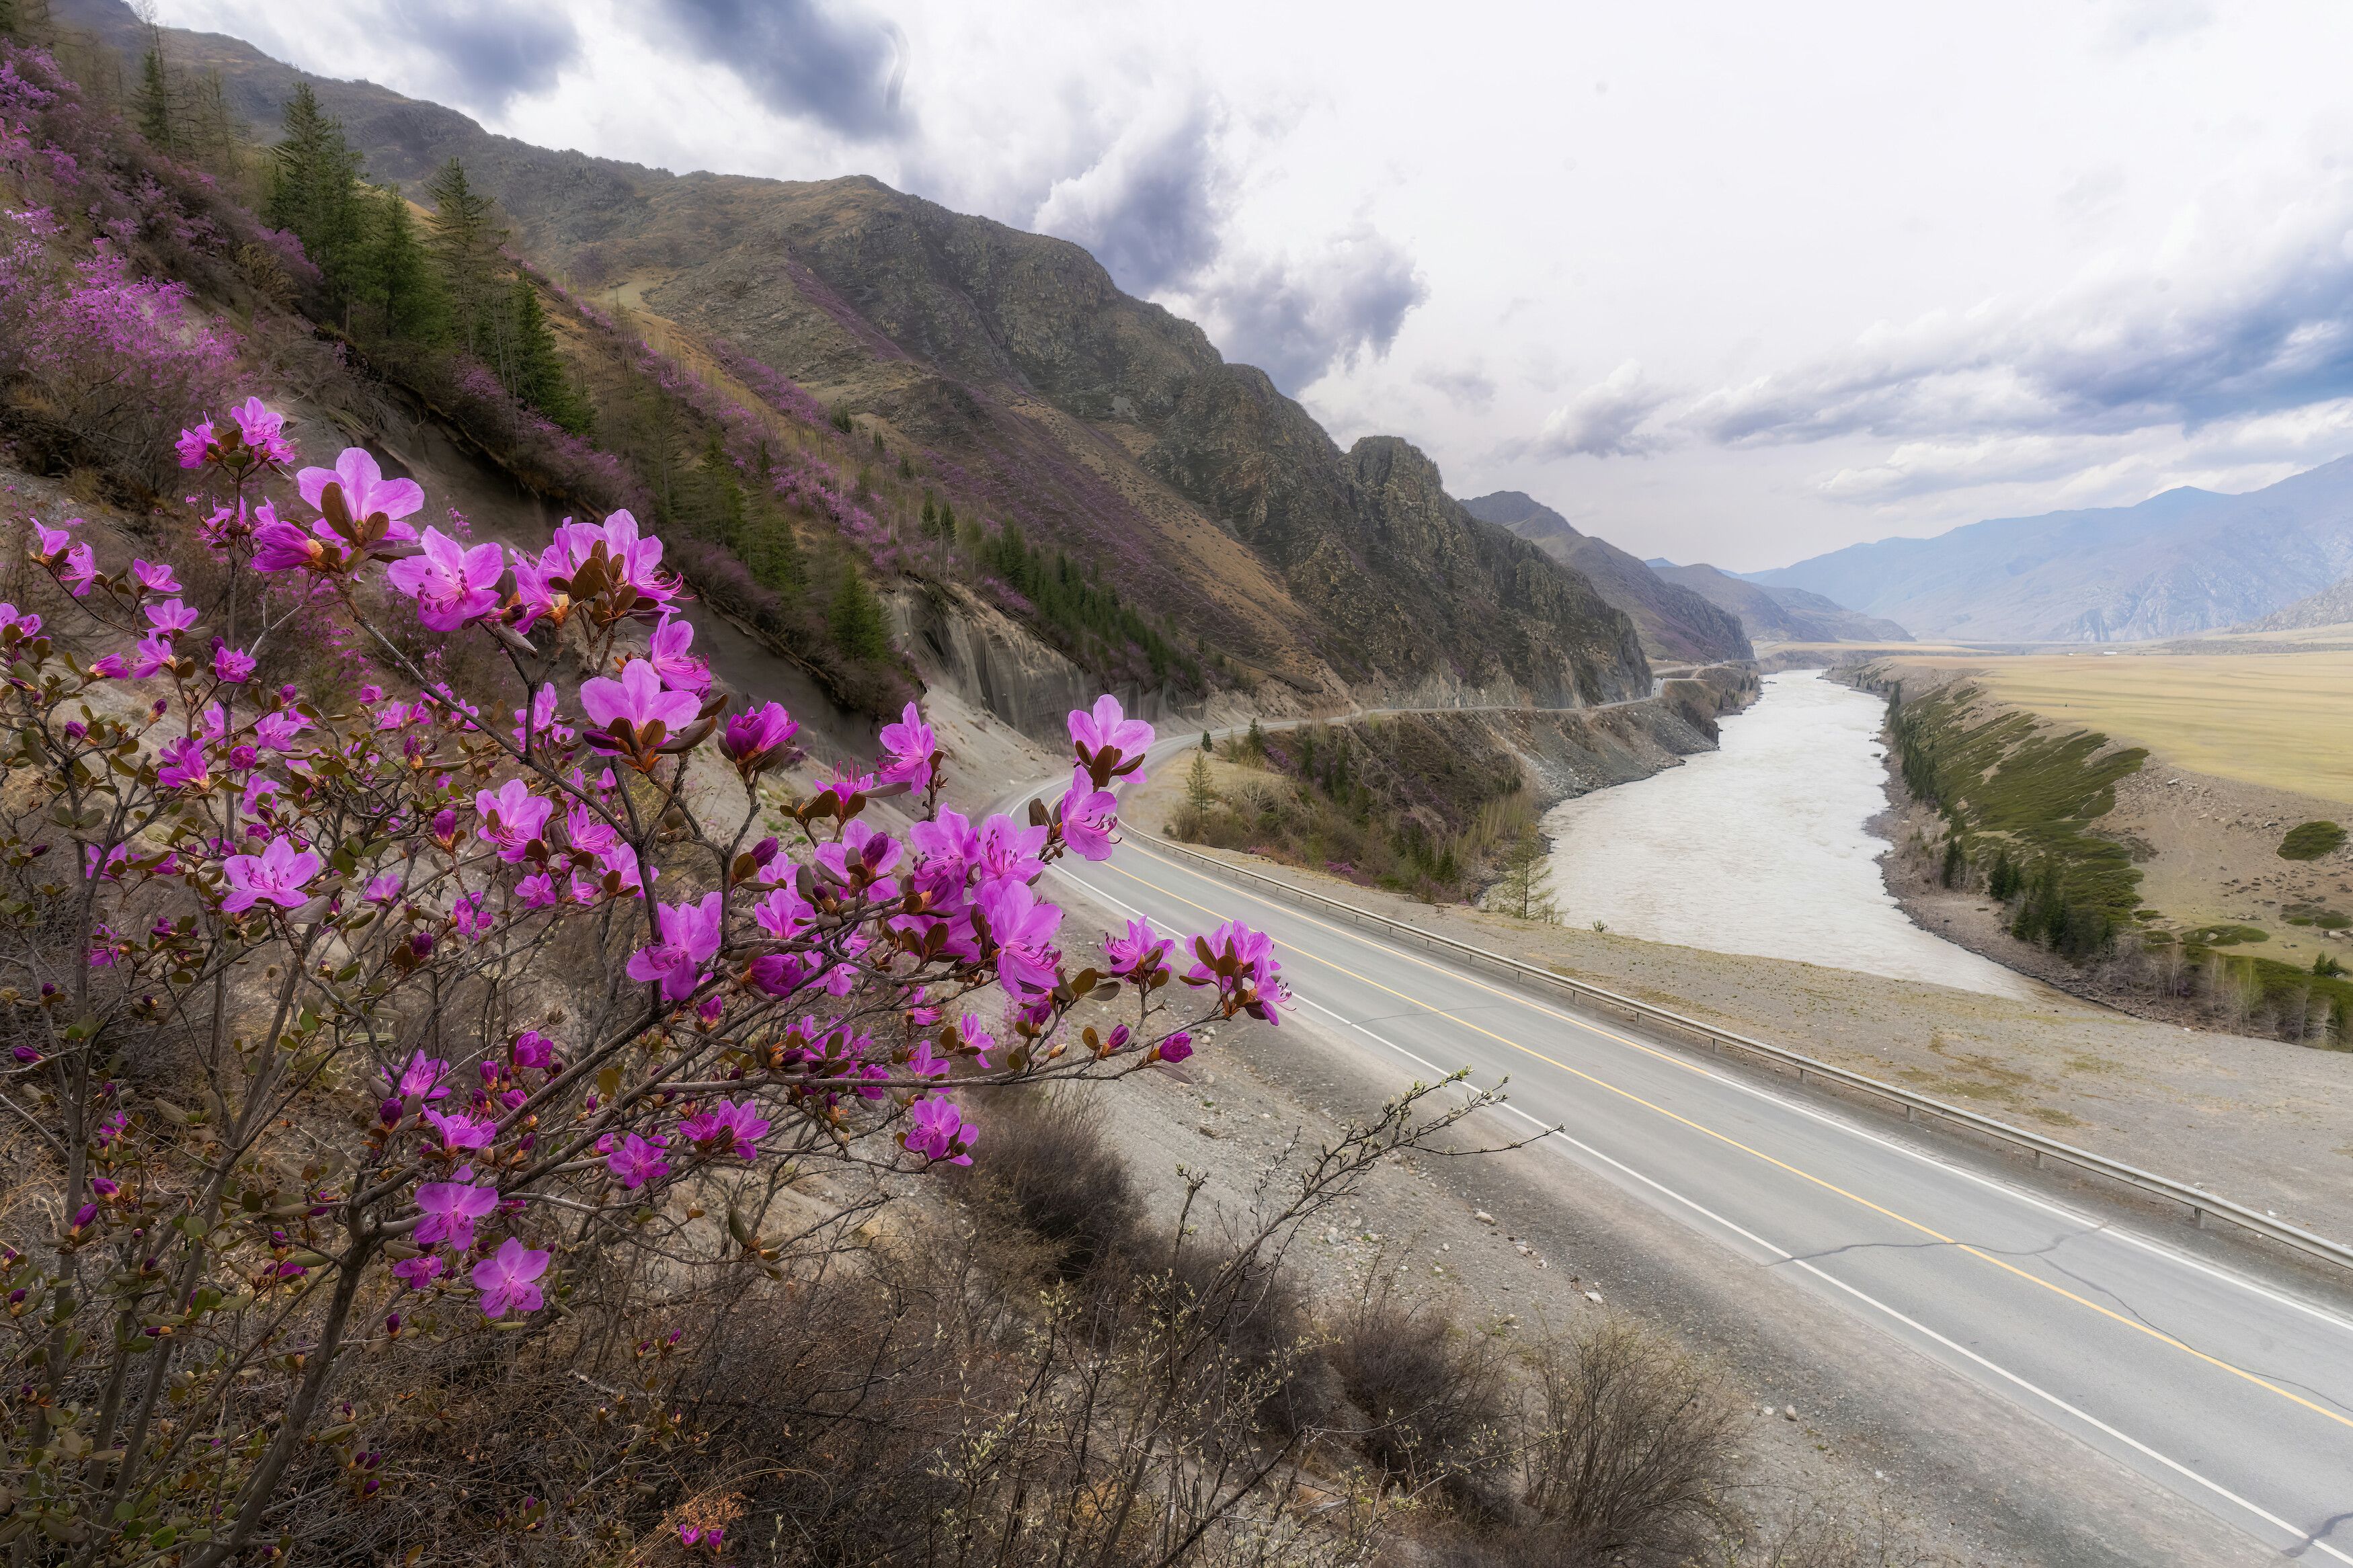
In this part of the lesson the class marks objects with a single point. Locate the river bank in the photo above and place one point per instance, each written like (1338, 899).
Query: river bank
(1761, 847)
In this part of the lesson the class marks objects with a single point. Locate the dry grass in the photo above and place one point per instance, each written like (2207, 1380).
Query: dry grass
(2275, 719)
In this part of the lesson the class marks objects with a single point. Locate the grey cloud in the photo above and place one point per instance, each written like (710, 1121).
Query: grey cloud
(801, 58)
(1606, 419)
(1147, 207)
(2277, 335)
(489, 53)
(1471, 387)
(1299, 320)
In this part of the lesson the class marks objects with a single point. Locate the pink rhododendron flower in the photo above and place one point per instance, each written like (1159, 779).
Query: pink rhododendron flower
(1110, 744)
(451, 584)
(80, 565)
(450, 1210)
(460, 1130)
(232, 665)
(282, 546)
(532, 1049)
(425, 1078)
(761, 739)
(170, 616)
(635, 1161)
(727, 1123)
(27, 622)
(277, 731)
(668, 656)
(538, 891)
(637, 700)
(937, 1131)
(263, 431)
(419, 1273)
(1241, 964)
(1175, 1049)
(1023, 926)
(354, 492)
(972, 1038)
(1009, 853)
(472, 916)
(151, 656)
(276, 874)
(1088, 816)
(633, 561)
(908, 747)
(587, 833)
(784, 913)
(153, 578)
(512, 818)
(505, 1279)
(383, 889)
(689, 936)
(1137, 953)
(193, 443)
(183, 765)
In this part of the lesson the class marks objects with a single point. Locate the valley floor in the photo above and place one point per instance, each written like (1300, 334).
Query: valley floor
(2266, 1123)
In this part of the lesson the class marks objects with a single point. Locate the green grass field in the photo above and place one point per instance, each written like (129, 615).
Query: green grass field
(2284, 721)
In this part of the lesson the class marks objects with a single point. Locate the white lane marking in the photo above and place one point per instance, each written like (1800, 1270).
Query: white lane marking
(1782, 1255)
(2090, 1222)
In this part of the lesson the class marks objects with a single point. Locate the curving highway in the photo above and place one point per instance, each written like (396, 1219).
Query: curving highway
(2232, 1391)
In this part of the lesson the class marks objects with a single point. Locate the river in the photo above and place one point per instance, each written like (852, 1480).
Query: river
(1760, 846)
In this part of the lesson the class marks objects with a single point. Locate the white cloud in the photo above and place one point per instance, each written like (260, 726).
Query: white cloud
(1606, 419)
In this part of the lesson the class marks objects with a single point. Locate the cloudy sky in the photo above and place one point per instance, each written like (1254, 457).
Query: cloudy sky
(1720, 281)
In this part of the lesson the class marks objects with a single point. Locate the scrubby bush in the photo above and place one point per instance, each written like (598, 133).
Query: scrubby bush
(285, 997)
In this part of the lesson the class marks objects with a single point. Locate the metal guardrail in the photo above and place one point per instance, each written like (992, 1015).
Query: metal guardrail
(2199, 1203)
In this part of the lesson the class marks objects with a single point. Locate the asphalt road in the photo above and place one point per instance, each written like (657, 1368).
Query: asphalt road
(2232, 1391)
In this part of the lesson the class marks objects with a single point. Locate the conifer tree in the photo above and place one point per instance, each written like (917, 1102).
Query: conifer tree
(536, 375)
(856, 618)
(154, 102)
(1524, 890)
(400, 282)
(314, 190)
(465, 237)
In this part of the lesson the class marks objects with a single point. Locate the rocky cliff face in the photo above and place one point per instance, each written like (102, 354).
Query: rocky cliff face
(1675, 622)
(1112, 428)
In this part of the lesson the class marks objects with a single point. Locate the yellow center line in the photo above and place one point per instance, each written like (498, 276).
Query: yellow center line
(1830, 1186)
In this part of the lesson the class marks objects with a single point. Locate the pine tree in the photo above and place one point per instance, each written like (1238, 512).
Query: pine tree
(929, 516)
(855, 619)
(1524, 891)
(464, 242)
(947, 522)
(154, 102)
(721, 499)
(537, 374)
(1206, 746)
(1951, 870)
(400, 283)
(314, 190)
(1201, 785)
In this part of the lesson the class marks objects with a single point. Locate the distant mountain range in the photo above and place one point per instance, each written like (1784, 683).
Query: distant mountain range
(1780, 614)
(2185, 562)
(1675, 622)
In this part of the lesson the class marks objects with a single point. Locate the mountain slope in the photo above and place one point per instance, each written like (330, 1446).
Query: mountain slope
(2184, 562)
(2332, 606)
(1675, 622)
(1779, 614)
(1192, 485)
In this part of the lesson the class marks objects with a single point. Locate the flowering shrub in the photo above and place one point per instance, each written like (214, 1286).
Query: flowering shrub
(109, 355)
(283, 982)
